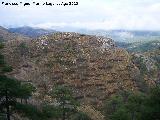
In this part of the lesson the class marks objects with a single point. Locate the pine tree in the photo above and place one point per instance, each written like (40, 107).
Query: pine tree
(11, 89)
(65, 101)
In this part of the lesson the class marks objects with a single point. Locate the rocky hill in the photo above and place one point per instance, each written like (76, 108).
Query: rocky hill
(91, 66)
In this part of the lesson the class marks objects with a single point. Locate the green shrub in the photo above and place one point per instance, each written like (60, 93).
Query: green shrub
(7, 68)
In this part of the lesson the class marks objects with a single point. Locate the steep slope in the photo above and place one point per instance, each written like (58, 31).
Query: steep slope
(31, 32)
(92, 66)
(149, 65)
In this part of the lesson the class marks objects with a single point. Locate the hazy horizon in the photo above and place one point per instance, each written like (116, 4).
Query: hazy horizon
(89, 15)
(85, 29)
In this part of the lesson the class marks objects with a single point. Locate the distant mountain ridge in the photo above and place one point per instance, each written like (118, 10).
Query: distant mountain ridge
(6, 35)
(31, 32)
(131, 40)
(128, 36)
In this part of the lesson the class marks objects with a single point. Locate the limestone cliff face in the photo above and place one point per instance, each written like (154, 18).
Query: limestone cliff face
(92, 66)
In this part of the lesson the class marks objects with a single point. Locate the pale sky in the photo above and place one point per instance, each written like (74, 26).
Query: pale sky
(89, 14)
